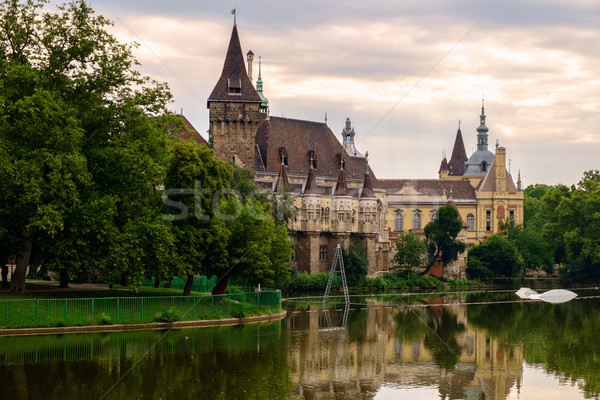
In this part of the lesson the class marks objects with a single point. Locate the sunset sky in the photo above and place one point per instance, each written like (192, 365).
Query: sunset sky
(405, 72)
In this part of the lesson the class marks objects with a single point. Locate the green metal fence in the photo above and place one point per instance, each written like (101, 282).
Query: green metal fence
(25, 313)
(200, 283)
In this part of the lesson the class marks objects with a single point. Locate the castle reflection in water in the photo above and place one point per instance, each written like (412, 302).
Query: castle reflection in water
(399, 347)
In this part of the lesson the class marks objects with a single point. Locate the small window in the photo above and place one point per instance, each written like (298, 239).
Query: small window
(323, 253)
(483, 166)
(470, 222)
(234, 87)
(326, 215)
(312, 159)
(512, 215)
(417, 220)
(399, 221)
(341, 216)
(283, 156)
(295, 255)
(488, 220)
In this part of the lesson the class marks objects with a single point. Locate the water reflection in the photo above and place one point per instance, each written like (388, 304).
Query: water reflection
(432, 349)
(402, 348)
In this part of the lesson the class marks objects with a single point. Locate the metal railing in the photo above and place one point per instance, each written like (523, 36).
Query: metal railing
(28, 313)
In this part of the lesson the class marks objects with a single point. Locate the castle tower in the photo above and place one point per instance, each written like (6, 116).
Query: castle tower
(348, 139)
(500, 169)
(482, 131)
(250, 59)
(234, 109)
(459, 155)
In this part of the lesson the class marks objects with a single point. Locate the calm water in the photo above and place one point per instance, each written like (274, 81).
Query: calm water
(426, 347)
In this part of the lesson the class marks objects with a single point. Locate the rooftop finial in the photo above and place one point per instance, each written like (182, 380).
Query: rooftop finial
(459, 124)
(259, 64)
(325, 117)
(234, 17)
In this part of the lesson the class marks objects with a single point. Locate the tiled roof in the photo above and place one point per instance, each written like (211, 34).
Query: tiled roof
(311, 184)
(488, 184)
(367, 189)
(459, 156)
(299, 137)
(189, 131)
(234, 75)
(341, 187)
(460, 189)
(282, 179)
(443, 165)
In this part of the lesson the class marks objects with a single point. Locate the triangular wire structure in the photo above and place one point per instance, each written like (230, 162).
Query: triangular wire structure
(338, 264)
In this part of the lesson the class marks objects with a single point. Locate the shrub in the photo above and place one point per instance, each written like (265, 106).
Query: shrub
(170, 315)
(241, 311)
(105, 319)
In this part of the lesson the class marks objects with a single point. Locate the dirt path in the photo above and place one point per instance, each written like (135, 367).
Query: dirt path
(73, 287)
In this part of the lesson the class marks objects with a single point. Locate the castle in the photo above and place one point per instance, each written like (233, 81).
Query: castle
(337, 195)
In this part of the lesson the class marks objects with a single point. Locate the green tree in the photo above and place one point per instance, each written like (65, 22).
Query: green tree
(356, 263)
(443, 232)
(411, 251)
(74, 136)
(496, 256)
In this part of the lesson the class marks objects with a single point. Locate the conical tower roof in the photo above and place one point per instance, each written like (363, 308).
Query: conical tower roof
(234, 84)
(367, 189)
(311, 183)
(443, 165)
(341, 187)
(459, 155)
(282, 179)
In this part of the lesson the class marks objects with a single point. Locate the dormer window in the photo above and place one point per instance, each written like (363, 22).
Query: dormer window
(283, 158)
(234, 87)
(483, 166)
(312, 159)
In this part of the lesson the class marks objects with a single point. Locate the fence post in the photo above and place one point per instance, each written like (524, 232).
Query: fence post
(118, 309)
(66, 312)
(212, 306)
(93, 312)
(229, 304)
(142, 312)
(37, 307)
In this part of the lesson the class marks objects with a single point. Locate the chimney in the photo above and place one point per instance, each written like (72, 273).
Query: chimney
(250, 58)
(500, 169)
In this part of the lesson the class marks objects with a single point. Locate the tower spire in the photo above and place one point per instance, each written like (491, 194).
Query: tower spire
(482, 130)
(264, 105)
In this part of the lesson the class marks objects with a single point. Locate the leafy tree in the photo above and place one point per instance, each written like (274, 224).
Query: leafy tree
(496, 256)
(534, 251)
(192, 180)
(74, 136)
(411, 251)
(443, 232)
(355, 262)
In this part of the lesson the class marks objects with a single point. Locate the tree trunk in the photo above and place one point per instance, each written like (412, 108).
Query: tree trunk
(64, 279)
(17, 284)
(187, 290)
(5, 276)
(221, 285)
(124, 279)
(157, 282)
(168, 284)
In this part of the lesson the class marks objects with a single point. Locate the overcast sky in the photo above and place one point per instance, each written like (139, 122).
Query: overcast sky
(405, 72)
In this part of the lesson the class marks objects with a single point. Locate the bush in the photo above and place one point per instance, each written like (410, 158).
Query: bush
(170, 315)
(105, 319)
(241, 311)
(303, 281)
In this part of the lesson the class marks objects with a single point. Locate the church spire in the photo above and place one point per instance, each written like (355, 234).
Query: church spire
(348, 140)
(482, 130)
(456, 165)
(264, 105)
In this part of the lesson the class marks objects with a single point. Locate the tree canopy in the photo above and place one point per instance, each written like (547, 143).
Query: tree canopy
(443, 232)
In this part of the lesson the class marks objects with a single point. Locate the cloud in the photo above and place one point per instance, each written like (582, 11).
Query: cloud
(405, 72)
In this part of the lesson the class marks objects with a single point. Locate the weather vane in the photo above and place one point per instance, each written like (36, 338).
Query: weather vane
(234, 17)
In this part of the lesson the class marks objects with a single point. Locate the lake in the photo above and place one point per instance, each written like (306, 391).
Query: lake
(471, 345)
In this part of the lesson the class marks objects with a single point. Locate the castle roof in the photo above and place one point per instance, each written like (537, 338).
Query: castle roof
(188, 131)
(488, 184)
(459, 156)
(299, 138)
(311, 184)
(461, 190)
(443, 165)
(341, 187)
(282, 179)
(367, 189)
(234, 84)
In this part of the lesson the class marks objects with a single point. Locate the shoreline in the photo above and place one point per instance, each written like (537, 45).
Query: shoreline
(204, 323)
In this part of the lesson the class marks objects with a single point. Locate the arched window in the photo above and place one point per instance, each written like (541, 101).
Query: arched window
(470, 222)
(416, 219)
(434, 214)
(483, 166)
(326, 215)
(399, 221)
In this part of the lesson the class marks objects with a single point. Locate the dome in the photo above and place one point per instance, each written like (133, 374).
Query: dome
(475, 166)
